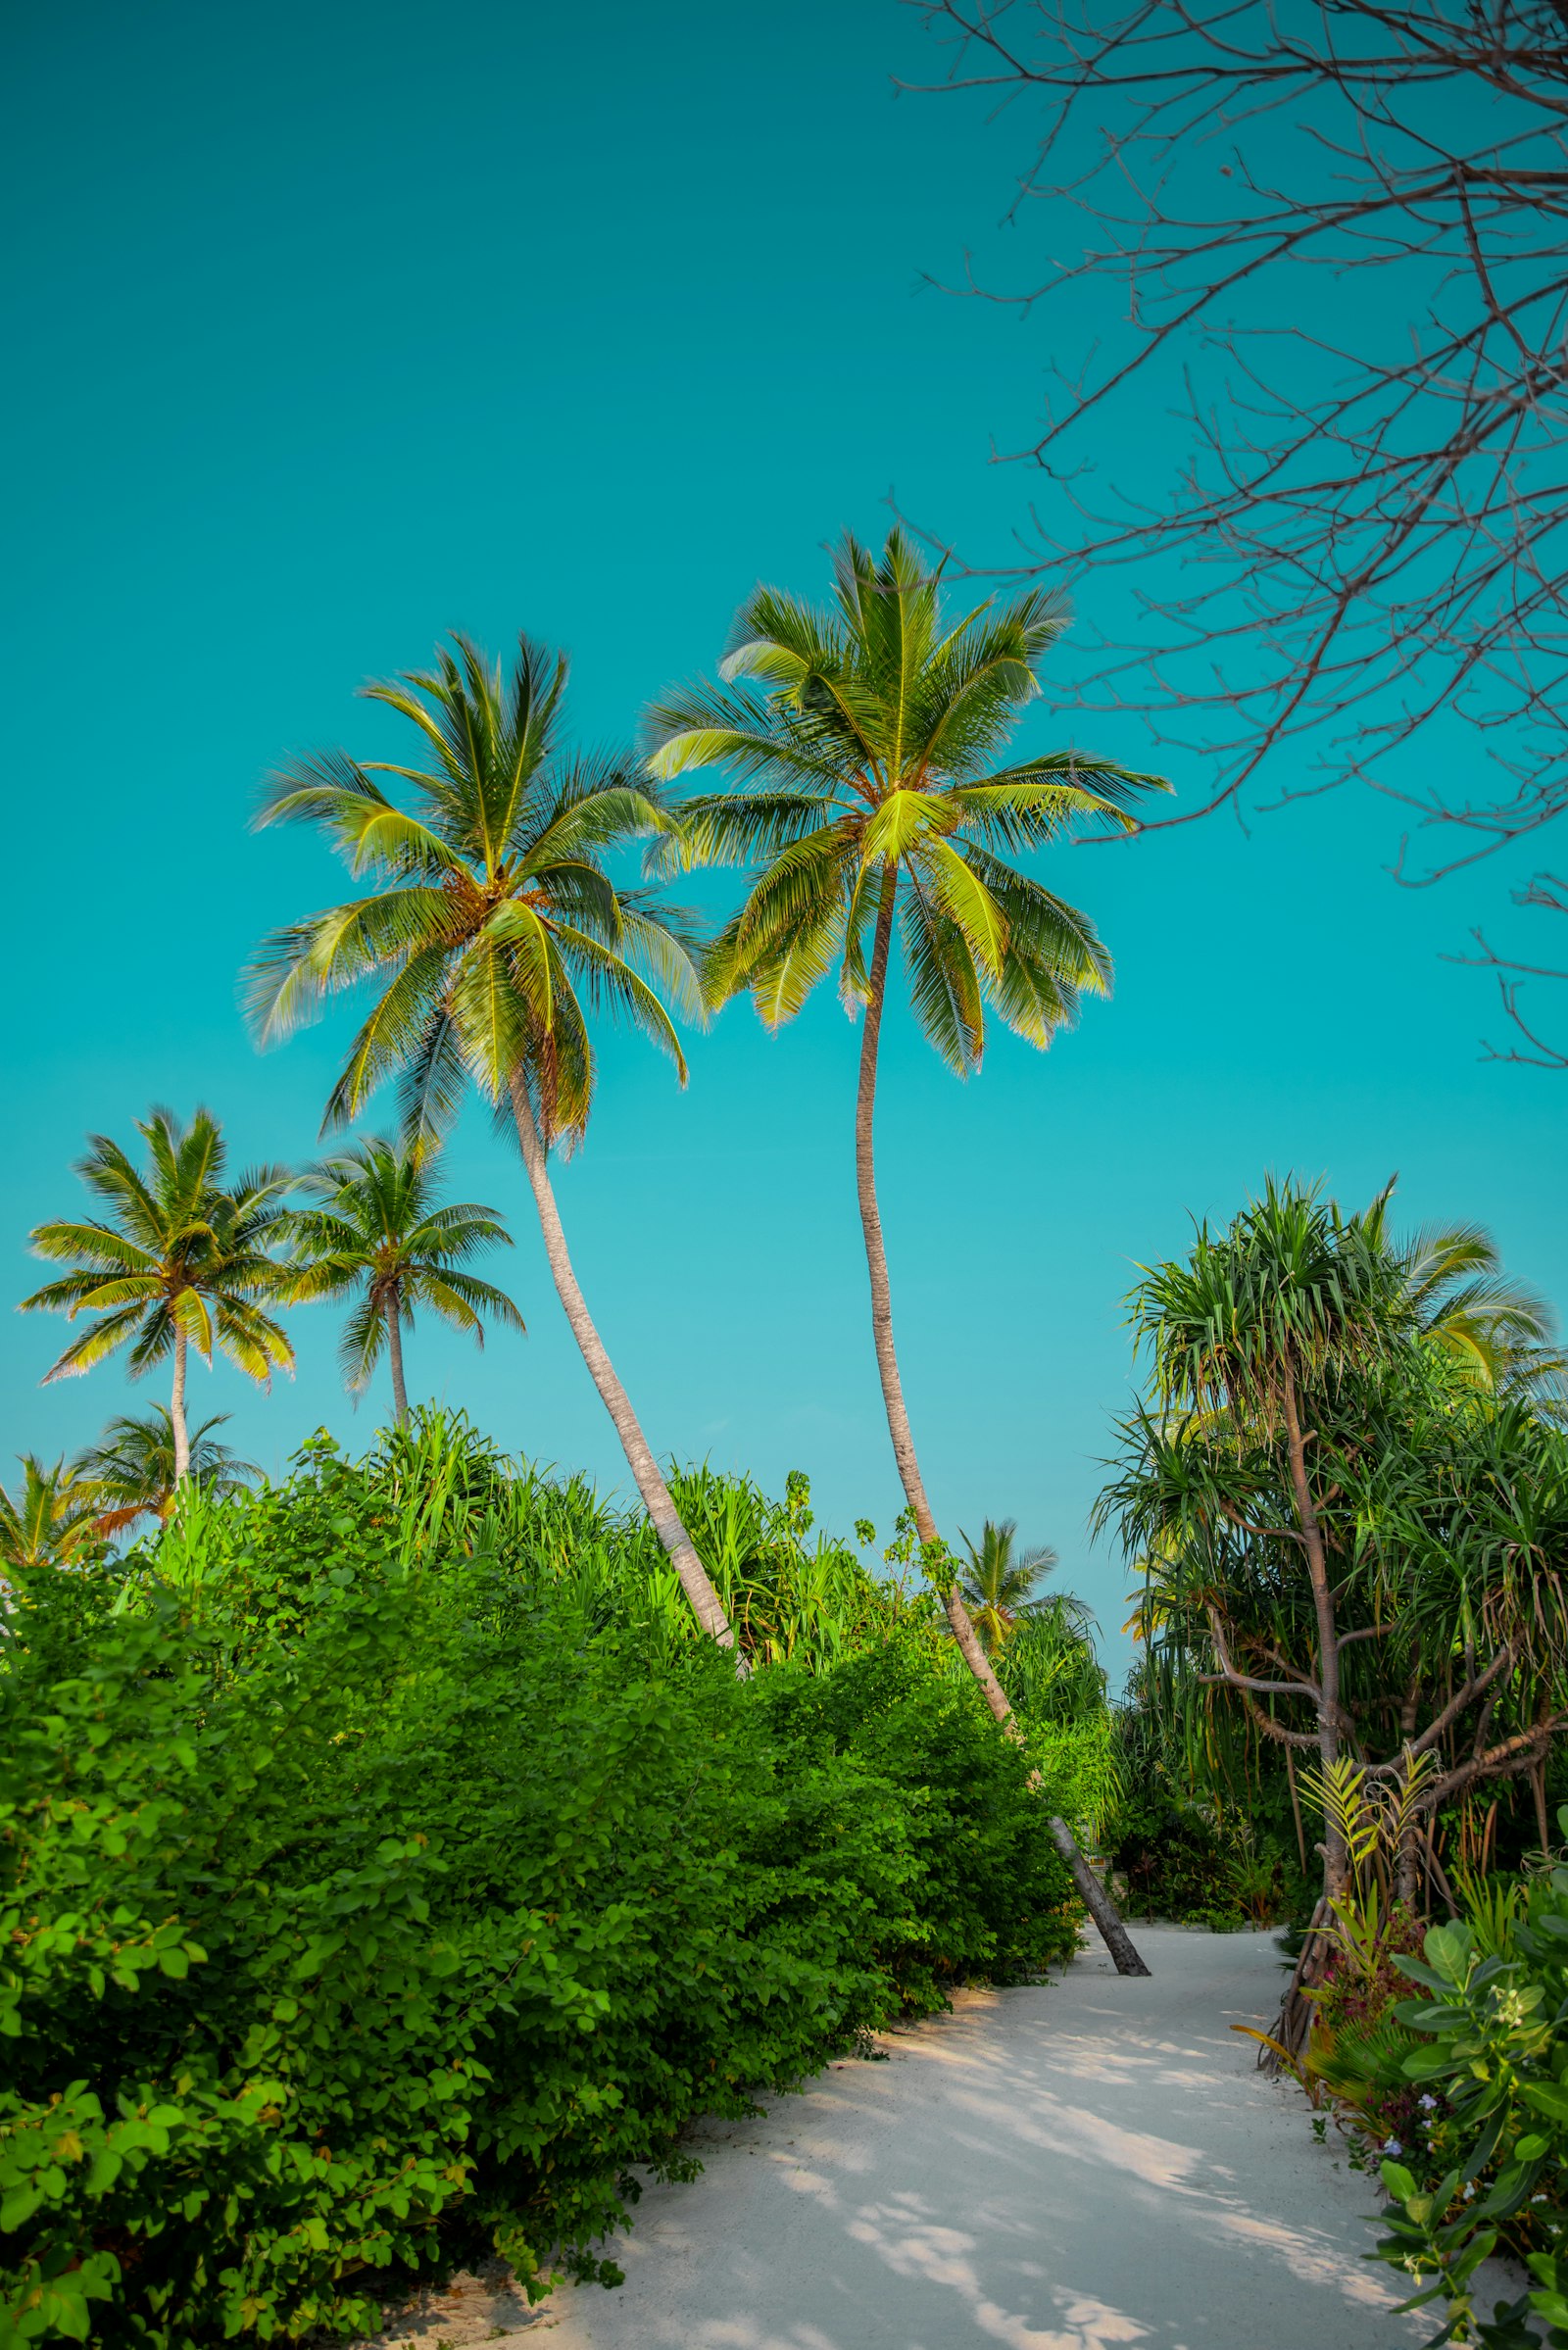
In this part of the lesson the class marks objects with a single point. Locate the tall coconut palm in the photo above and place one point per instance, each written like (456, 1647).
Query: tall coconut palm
(862, 744)
(375, 1232)
(998, 1583)
(131, 1468)
(492, 926)
(178, 1261)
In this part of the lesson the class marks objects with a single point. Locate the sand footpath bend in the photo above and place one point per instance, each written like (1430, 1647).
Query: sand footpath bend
(1093, 2164)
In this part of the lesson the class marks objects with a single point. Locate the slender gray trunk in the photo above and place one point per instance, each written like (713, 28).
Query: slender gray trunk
(1116, 1938)
(876, 1261)
(705, 1603)
(394, 1340)
(1336, 1856)
(176, 1412)
(1112, 1933)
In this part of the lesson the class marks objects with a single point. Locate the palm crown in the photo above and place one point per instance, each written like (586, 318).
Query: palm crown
(493, 914)
(374, 1229)
(863, 743)
(179, 1259)
(48, 1518)
(131, 1469)
(999, 1582)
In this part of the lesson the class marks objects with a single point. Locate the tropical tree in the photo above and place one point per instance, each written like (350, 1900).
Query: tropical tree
(1345, 1539)
(177, 1262)
(374, 1231)
(861, 744)
(49, 1517)
(999, 1584)
(131, 1469)
(493, 930)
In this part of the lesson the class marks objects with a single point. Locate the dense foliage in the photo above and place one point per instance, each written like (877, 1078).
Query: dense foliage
(1462, 2092)
(390, 1869)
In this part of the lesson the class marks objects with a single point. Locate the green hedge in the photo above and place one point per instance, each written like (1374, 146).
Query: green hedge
(360, 1918)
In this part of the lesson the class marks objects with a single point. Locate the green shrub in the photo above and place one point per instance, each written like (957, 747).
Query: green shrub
(366, 1907)
(1463, 2092)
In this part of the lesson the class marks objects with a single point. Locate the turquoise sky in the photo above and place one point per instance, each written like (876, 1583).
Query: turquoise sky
(341, 326)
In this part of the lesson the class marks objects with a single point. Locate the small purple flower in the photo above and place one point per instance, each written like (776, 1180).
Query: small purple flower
(1429, 2105)
(1391, 2146)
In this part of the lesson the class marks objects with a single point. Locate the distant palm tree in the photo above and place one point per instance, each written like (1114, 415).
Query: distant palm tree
(132, 1467)
(181, 1261)
(47, 1519)
(865, 787)
(375, 1233)
(999, 1584)
(493, 922)
(1499, 1331)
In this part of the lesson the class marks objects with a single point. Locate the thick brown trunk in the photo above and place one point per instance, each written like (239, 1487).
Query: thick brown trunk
(1336, 1858)
(876, 1259)
(176, 1412)
(658, 1500)
(394, 1340)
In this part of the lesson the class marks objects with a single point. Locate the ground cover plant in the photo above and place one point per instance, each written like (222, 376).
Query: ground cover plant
(391, 1866)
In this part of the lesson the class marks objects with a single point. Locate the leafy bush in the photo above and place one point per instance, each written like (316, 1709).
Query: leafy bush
(1467, 2088)
(366, 1905)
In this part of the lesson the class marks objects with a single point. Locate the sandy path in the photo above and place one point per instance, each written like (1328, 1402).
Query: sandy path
(1089, 2165)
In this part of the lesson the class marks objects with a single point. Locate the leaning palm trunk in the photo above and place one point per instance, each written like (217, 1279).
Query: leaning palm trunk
(1112, 1933)
(176, 1412)
(705, 1603)
(887, 1360)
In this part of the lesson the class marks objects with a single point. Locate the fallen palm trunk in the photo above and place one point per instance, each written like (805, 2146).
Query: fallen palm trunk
(1112, 1933)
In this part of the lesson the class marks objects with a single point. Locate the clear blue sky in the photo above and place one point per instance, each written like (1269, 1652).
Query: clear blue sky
(336, 328)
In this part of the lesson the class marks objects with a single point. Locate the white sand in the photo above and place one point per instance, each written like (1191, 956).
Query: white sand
(1086, 2164)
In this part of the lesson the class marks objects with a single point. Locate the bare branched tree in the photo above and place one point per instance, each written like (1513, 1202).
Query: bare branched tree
(1368, 534)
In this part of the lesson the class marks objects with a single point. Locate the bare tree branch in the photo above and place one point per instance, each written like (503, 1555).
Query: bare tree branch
(1339, 232)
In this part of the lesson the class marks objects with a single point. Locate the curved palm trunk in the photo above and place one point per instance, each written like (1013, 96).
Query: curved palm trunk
(1113, 1933)
(176, 1412)
(876, 1259)
(394, 1337)
(705, 1603)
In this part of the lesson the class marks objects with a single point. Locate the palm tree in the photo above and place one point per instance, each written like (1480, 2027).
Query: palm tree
(179, 1262)
(375, 1232)
(132, 1467)
(999, 1587)
(865, 785)
(49, 1517)
(1498, 1331)
(493, 923)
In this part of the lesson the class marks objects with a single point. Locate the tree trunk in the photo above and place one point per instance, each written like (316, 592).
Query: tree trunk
(394, 1337)
(658, 1500)
(1112, 1933)
(1537, 1789)
(1336, 1857)
(176, 1412)
(1115, 1934)
(876, 1259)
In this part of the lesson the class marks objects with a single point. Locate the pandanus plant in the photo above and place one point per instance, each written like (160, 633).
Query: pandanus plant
(866, 793)
(492, 930)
